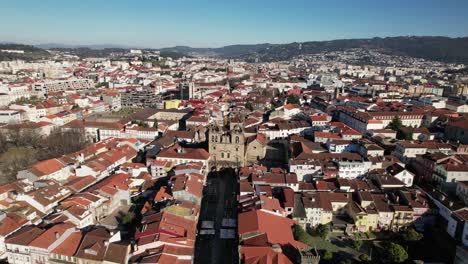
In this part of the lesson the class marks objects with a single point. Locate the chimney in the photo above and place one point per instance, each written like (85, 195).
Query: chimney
(57, 235)
(106, 243)
(450, 203)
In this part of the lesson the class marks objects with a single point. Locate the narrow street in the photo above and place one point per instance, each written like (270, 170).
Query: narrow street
(217, 239)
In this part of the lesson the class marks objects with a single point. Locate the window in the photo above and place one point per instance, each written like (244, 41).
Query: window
(222, 155)
(237, 139)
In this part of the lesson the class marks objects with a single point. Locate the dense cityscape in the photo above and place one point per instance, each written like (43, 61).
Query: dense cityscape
(341, 151)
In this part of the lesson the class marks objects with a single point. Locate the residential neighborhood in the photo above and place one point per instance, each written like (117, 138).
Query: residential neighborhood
(340, 151)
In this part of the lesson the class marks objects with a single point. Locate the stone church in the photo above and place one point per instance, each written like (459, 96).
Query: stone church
(229, 146)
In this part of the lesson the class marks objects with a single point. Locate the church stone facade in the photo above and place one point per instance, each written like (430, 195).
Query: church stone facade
(230, 146)
(227, 146)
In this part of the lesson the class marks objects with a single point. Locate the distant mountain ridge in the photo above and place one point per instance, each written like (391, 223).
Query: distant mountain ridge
(77, 46)
(432, 48)
(446, 49)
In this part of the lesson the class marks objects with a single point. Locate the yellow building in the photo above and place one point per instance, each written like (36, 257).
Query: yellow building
(359, 216)
(172, 104)
(402, 217)
(372, 219)
(367, 204)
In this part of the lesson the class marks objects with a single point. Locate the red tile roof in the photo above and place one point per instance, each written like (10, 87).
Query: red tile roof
(262, 255)
(10, 223)
(319, 134)
(49, 236)
(179, 152)
(277, 228)
(47, 167)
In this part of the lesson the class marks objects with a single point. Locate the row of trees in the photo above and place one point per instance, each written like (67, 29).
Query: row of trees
(31, 100)
(20, 148)
(390, 252)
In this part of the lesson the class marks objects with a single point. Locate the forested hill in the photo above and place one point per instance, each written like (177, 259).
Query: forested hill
(433, 48)
(30, 52)
(444, 49)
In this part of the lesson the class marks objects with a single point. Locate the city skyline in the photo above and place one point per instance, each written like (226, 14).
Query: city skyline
(211, 24)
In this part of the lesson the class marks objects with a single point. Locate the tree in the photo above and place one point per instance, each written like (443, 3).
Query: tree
(3, 143)
(31, 138)
(364, 258)
(178, 75)
(140, 123)
(102, 84)
(396, 253)
(11, 165)
(127, 218)
(299, 233)
(59, 143)
(404, 134)
(31, 100)
(327, 255)
(155, 124)
(357, 244)
(21, 136)
(249, 106)
(411, 235)
(395, 124)
(293, 99)
(322, 231)
(345, 261)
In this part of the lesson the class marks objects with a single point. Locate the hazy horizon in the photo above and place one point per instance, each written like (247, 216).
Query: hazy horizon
(211, 24)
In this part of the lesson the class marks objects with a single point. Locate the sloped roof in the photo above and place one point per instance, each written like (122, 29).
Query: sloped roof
(277, 228)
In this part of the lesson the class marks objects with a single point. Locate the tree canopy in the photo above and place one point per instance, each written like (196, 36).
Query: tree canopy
(364, 258)
(395, 124)
(249, 106)
(404, 134)
(293, 99)
(102, 84)
(411, 235)
(327, 255)
(140, 123)
(322, 231)
(31, 100)
(396, 253)
(357, 244)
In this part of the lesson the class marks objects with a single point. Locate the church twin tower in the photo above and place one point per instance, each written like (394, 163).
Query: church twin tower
(227, 146)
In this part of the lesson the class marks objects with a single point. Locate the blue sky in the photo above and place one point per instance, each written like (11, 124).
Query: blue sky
(204, 23)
